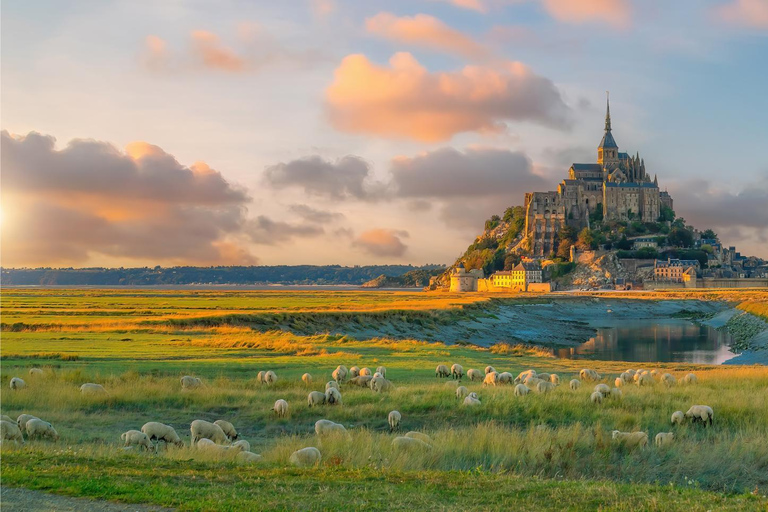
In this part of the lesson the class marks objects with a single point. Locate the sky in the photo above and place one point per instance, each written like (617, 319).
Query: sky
(360, 131)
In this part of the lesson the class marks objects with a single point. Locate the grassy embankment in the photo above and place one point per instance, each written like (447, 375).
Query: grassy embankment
(545, 451)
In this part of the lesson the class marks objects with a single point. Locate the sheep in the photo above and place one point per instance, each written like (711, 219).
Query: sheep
(35, 372)
(544, 387)
(9, 431)
(543, 376)
(160, 432)
(491, 379)
(602, 389)
(247, 457)
(380, 385)
(331, 384)
(377, 374)
(475, 375)
(333, 397)
(524, 375)
(574, 384)
(270, 378)
(260, 377)
(489, 369)
(461, 392)
(17, 383)
(340, 373)
(316, 398)
(678, 417)
(596, 397)
(664, 439)
(227, 428)
(189, 382)
(306, 379)
(618, 382)
(382, 370)
(554, 379)
(361, 380)
(505, 378)
(442, 371)
(690, 379)
(654, 373)
(309, 456)
(419, 435)
(90, 388)
(471, 399)
(589, 374)
(627, 377)
(136, 438)
(38, 428)
(409, 443)
(615, 393)
(281, 408)
(668, 380)
(703, 413)
(366, 371)
(457, 371)
(208, 446)
(354, 372)
(22, 420)
(631, 372)
(644, 379)
(7, 418)
(394, 420)
(201, 429)
(328, 427)
(630, 439)
(521, 390)
(242, 445)
(532, 382)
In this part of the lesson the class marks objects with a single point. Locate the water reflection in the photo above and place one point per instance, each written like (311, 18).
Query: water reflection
(655, 341)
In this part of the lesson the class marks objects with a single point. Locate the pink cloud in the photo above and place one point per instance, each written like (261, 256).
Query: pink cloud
(472, 5)
(747, 13)
(613, 12)
(212, 54)
(382, 242)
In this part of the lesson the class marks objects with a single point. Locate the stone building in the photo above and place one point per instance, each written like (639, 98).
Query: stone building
(519, 278)
(675, 271)
(618, 185)
(463, 280)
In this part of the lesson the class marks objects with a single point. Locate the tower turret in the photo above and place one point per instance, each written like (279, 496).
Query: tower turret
(608, 150)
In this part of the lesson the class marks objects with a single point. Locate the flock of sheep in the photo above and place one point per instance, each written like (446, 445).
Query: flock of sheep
(221, 439)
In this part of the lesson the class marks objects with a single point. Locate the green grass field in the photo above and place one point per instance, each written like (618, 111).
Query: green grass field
(550, 452)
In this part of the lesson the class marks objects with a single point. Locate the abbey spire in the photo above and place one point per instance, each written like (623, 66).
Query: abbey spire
(608, 150)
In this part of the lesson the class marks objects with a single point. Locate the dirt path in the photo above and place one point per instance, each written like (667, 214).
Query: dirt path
(14, 499)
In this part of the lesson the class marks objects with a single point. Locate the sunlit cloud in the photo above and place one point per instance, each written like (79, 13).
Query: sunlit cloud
(322, 9)
(472, 5)
(212, 54)
(382, 242)
(612, 12)
(745, 13)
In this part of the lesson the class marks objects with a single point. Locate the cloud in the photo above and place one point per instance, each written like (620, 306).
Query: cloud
(382, 242)
(321, 9)
(265, 231)
(472, 5)
(309, 214)
(155, 55)
(212, 54)
(745, 13)
(346, 177)
(90, 198)
(405, 100)
(424, 31)
(612, 12)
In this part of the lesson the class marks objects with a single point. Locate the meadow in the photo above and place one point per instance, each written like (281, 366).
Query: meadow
(550, 451)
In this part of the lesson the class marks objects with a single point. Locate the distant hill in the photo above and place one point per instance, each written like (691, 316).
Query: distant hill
(418, 278)
(279, 274)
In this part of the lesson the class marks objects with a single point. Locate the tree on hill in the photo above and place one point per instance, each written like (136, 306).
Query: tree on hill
(666, 214)
(680, 237)
(566, 237)
(709, 234)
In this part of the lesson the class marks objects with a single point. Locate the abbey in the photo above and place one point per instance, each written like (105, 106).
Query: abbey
(618, 185)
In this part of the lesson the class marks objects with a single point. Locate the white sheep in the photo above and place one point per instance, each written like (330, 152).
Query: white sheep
(333, 397)
(615, 393)
(328, 427)
(270, 378)
(189, 382)
(227, 428)
(505, 378)
(22, 420)
(702, 413)
(690, 379)
(524, 375)
(489, 369)
(37, 428)
(644, 379)
(543, 376)
(382, 370)
(247, 457)
(627, 377)
(491, 379)
(17, 383)
(678, 418)
(35, 372)
(630, 439)
(654, 373)
(461, 392)
(475, 375)
(471, 399)
(201, 429)
(664, 439)
(394, 418)
(260, 377)
(331, 384)
(354, 372)
(9, 431)
(544, 387)
(208, 446)
(161, 432)
(596, 397)
(602, 389)
(457, 371)
(554, 379)
(309, 456)
(306, 379)
(409, 443)
(136, 438)
(366, 371)
(89, 388)
(419, 435)
(377, 374)
(361, 380)
(340, 373)
(3, 417)
(532, 382)
(668, 379)
(574, 384)
(281, 408)
(442, 371)
(380, 385)
(521, 390)
(241, 445)
(316, 398)
(589, 374)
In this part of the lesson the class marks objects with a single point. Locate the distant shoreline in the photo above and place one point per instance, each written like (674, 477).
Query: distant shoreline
(221, 287)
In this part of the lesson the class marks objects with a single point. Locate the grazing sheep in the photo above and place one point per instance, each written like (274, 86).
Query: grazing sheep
(532, 382)
(544, 387)
(475, 375)
(380, 385)
(201, 429)
(461, 392)
(136, 438)
(9, 431)
(328, 427)
(377, 374)
(654, 373)
(354, 372)
(457, 371)
(409, 443)
(331, 384)
(618, 382)
(247, 457)
(306, 379)
(664, 439)
(37, 428)
(382, 370)
(160, 432)
(316, 398)
(602, 389)
(280, 408)
(524, 375)
(521, 390)
(668, 379)
(361, 380)
(627, 377)
(333, 397)
(574, 384)
(260, 377)
(489, 369)
(703, 413)
(543, 376)
(471, 399)
(394, 420)
(366, 371)
(589, 374)
(22, 420)
(554, 379)
(491, 379)
(630, 439)
(227, 428)
(505, 378)
(690, 379)
(189, 382)
(242, 445)
(270, 378)
(7, 418)
(419, 435)
(442, 371)
(615, 393)
(305, 457)
(678, 417)
(208, 446)
(596, 397)
(644, 379)
(17, 383)
(340, 373)
(90, 388)
(35, 372)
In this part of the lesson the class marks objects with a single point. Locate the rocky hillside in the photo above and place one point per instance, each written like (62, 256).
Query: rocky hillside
(413, 279)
